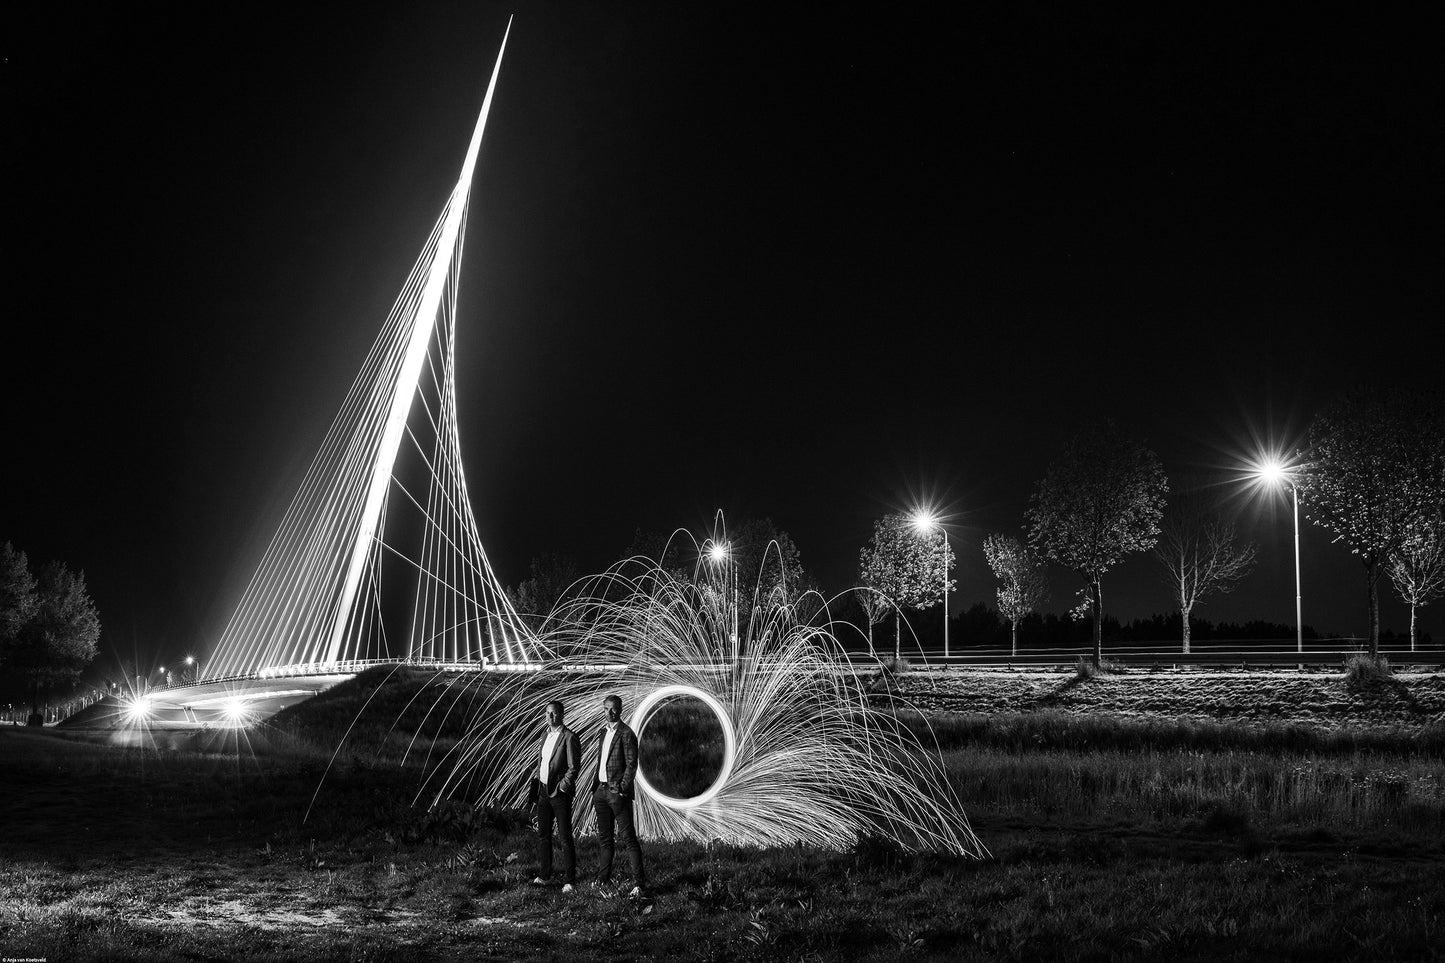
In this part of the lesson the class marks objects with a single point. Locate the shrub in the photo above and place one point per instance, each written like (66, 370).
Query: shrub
(1360, 669)
(877, 852)
(896, 666)
(1085, 669)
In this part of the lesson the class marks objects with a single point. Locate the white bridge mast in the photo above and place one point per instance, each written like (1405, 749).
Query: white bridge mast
(422, 328)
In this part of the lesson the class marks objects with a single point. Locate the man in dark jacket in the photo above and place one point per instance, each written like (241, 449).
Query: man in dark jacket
(553, 784)
(612, 785)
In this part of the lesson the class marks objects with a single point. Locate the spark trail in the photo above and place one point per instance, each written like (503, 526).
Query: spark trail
(807, 759)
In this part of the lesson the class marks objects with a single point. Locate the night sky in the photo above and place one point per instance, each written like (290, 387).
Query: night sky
(778, 260)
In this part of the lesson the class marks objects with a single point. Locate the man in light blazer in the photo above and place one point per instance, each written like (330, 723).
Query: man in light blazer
(612, 784)
(554, 783)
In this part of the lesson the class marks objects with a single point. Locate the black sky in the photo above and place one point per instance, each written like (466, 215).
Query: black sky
(781, 260)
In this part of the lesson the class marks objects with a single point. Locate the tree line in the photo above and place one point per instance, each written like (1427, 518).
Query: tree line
(989, 626)
(1372, 472)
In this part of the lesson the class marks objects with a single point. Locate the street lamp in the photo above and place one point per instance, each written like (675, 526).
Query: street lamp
(1273, 473)
(196, 671)
(719, 553)
(925, 521)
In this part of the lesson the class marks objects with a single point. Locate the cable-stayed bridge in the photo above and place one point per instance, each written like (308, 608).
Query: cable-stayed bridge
(384, 505)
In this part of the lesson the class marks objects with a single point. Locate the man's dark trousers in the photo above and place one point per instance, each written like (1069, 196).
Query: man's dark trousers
(551, 809)
(614, 812)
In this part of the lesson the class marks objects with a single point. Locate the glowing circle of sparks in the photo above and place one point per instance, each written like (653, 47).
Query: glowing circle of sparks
(638, 722)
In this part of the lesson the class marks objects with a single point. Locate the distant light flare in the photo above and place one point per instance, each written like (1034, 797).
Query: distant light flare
(236, 713)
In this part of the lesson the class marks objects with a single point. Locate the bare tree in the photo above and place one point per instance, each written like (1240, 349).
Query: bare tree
(1201, 554)
(875, 607)
(1375, 473)
(1417, 568)
(1023, 583)
(1100, 501)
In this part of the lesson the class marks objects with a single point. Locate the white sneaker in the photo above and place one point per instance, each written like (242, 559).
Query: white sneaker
(566, 887)
(636, 892)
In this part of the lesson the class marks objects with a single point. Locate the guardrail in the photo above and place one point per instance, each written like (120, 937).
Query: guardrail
(1326, 655)
(1331, 654)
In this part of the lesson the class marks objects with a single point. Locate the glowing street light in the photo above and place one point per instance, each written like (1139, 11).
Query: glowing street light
(718, 553)
(235, 712)
(925, 521)
(138, 710)
(1274, 473)
(196, 670)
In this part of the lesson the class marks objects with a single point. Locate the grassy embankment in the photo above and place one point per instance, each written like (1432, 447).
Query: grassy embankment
(1110, 837)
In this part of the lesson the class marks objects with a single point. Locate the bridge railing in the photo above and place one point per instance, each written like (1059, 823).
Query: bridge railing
(1330, 654)
(357, 666)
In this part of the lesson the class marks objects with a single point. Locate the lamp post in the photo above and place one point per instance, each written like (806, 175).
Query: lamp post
(196, 668)
(719, 554)
(1274, 473)
(925, 521)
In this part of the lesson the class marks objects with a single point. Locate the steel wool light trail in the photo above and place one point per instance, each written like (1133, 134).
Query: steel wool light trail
(806, 757)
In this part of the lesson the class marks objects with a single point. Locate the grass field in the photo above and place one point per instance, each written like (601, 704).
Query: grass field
(1111, 837)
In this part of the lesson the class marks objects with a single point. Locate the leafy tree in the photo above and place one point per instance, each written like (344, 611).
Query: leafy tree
(1101, 501)
(674, 553)
(17, 597)
(552, 575)
(1375, 473)
(59, 640)
(906, 565)
(1023, 583)
(1417, 567)
(765, 561)
(1201, 554)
